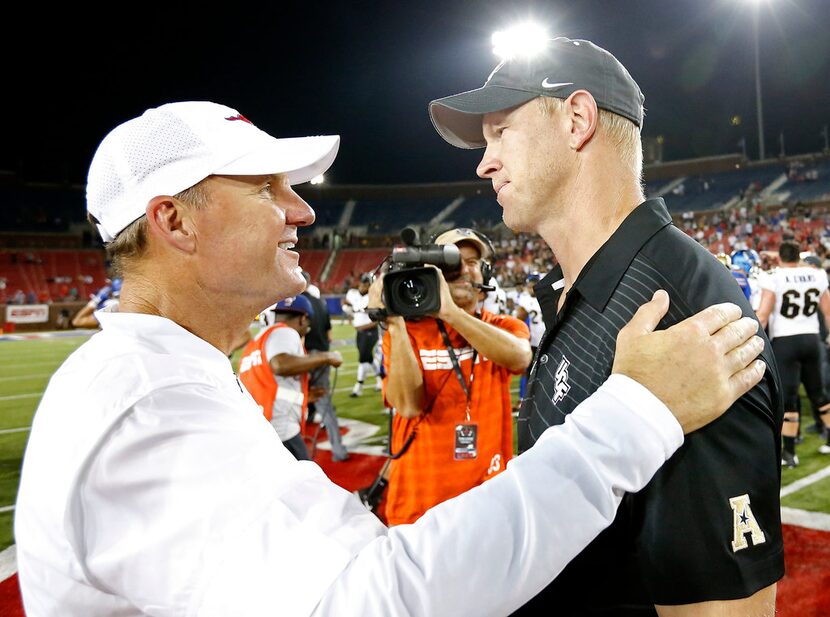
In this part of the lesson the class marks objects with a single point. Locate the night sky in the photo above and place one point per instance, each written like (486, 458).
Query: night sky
(367, 70)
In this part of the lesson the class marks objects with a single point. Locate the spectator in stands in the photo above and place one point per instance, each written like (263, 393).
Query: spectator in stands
(152, 483)
(564, 154)
(448, 380)
(275, 368)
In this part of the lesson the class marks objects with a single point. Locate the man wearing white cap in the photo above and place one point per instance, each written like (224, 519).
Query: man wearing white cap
(153, 485)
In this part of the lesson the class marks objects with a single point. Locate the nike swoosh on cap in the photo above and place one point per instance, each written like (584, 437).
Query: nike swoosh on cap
(547, 84)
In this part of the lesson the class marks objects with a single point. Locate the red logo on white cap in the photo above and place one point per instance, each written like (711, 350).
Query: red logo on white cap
(239, 117)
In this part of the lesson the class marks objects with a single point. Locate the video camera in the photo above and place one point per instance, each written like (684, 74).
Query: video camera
(410, 287)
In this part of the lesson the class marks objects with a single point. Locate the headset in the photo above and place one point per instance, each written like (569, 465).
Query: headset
(486, 263)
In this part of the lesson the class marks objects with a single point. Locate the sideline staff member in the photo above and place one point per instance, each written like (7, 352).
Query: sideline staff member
(275, 369)
(153, 485)
(448, 379)
(564, 153)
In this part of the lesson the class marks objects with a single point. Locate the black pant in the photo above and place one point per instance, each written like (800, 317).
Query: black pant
(366, 341)
(799, 361)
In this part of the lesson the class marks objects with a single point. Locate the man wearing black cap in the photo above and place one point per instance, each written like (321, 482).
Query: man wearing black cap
(563, 150)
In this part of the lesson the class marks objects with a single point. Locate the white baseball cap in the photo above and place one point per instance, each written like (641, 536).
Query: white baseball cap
(170, 148)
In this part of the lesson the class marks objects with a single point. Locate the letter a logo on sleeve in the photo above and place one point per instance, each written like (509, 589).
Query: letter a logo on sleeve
(743, 522)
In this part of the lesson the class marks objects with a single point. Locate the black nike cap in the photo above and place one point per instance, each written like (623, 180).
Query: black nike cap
(560, 69)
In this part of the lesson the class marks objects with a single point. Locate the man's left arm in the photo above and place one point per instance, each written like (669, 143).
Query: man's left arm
(722, 491)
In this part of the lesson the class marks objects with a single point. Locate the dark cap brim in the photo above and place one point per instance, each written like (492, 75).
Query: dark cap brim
(457, 118)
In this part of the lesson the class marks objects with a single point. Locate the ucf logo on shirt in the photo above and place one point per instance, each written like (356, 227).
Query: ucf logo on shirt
(561, 385)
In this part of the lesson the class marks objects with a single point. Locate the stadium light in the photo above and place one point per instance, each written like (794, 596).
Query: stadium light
(522, 40)
(756, 9)
(318, 179)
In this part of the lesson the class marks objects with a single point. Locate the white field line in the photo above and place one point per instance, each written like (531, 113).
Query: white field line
(803, 518)
(55, 364)
(805, 481)
(8, 562)
(22, 429)
(15, 397)
(29, 376)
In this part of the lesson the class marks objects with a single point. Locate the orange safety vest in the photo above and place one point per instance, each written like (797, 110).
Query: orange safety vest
(257, 377)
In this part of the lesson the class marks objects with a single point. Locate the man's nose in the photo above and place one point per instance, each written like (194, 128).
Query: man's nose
(489, 164)
(298, 212)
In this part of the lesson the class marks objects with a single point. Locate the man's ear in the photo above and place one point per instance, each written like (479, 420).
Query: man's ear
(169, 220)
(584, 115)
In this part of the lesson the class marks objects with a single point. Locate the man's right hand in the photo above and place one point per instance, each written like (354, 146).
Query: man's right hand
(334, 358)
(376, 301)
(698, 367)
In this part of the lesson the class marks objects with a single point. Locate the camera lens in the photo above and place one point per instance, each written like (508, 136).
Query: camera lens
(413, 291)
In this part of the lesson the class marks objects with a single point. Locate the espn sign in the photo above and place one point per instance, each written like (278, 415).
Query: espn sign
(27, 313)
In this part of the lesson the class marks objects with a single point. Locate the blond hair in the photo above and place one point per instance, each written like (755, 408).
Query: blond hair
(621, 132)
(130, 243)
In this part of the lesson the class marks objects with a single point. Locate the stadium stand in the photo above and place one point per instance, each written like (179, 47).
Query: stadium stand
(710, 192)
(327, 212)
(50, 210)
(50, 276)
(48, 253)
(806, 182)
(386, 216)
(481, 211)
(312, 261)
(348, 267)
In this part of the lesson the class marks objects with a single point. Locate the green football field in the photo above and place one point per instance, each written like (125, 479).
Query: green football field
(26, 365)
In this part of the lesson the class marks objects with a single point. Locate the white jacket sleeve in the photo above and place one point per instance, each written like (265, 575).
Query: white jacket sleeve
(491, 549)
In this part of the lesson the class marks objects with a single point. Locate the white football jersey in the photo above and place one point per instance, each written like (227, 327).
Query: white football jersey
(534, 313)
(359, 303)
(797, 293)
(755, 287)
(495, 301)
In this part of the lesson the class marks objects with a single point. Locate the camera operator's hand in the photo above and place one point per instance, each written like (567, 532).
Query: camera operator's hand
(502, 347)
(376, 293)
(449, 309)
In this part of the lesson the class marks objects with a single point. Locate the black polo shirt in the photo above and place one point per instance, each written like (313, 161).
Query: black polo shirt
(671, 543)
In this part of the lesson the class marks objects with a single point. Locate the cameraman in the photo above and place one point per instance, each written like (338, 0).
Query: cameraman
(448, 379)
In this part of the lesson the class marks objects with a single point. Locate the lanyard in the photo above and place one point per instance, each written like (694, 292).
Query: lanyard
(467, 388)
